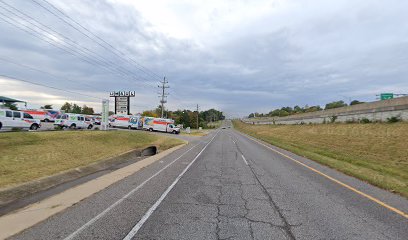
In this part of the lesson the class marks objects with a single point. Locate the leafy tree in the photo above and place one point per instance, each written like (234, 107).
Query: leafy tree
(251, 115)
(47, 106)
(87, 110)
(355, 102)
(12, 106)
(76, 109)
(67, 107)
(298, 109)
(335, 104)
(149, 113)
(313, 109)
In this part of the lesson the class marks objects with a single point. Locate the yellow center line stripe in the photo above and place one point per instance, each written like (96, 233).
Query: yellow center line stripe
(336, 181)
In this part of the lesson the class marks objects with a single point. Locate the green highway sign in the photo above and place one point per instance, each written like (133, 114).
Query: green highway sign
(385, 96)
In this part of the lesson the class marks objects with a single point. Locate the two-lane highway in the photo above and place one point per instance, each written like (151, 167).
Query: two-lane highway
(229, 186)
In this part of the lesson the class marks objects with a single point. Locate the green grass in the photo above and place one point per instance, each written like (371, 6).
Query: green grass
(376, 153)
(25, 156)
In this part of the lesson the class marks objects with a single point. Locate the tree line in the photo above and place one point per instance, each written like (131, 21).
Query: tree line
(187, 117)
(286, 111)
(74, 108)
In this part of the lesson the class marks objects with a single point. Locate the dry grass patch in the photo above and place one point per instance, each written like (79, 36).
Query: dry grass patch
(25, 156)
(376, 153)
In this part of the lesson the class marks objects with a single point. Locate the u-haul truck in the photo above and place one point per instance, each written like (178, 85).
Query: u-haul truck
(10, 119)
(160, 124)
(120, 121)
(73, 121)
(41, 115)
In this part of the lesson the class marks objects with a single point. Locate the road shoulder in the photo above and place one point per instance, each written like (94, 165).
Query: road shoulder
(26, 217)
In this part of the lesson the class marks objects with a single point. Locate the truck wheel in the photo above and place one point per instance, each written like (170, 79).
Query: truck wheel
(90, 127)
(174, 132)
(34, 127)
(1, 125)
(46, 120)
(129, 127)
(72, 126)
(151, 129)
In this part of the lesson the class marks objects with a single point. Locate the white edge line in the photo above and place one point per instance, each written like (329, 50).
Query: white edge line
(90, 222)
(149, 212)
(246, 162)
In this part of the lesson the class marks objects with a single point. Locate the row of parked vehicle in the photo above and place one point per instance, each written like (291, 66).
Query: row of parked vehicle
(144, 123)
(31, 119)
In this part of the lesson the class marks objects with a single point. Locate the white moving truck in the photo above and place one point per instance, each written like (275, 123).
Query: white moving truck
(10, 119)
(160, 124)
(120, 121)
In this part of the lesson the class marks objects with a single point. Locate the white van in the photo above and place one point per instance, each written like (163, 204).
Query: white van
(10, 119)
(73, 121)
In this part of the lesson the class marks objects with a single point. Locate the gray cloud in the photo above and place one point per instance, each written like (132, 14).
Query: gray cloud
(291, 53)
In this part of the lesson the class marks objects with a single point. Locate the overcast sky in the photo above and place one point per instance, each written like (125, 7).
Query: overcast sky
(236, 56)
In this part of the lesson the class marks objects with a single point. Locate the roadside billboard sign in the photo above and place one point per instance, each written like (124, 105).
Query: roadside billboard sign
(122, 101)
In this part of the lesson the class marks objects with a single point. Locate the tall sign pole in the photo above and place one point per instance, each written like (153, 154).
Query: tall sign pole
(163, 95)
(198, 114)
(105, 114)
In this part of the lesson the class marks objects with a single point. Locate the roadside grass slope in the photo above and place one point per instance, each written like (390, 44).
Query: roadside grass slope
(25, 156)
(376, 153)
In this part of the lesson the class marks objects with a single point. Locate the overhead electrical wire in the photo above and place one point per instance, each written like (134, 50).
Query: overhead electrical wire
(48, 35)
(89, 35)
(44, 85)
(80, 52)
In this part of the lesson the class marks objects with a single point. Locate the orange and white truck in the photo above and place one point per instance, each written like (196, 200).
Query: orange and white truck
(160, 125)
(42, 115)
(120, 121)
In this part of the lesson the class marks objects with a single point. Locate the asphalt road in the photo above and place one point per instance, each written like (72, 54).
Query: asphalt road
(227, 186)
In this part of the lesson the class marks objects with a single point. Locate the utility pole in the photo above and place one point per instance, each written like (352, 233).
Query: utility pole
(163, 95)
(197, 116)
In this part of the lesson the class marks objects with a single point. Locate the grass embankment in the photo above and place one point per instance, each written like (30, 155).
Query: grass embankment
(25, 156)
(376, 153)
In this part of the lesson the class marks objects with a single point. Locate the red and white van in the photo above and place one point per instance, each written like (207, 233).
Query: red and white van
(41, 115)
(120, 121)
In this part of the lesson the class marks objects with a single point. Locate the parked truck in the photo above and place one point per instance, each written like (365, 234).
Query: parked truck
(160, 125)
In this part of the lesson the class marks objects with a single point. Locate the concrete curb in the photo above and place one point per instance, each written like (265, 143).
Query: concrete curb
(28, 216)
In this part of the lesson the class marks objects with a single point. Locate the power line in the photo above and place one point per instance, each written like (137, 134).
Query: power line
(86, 29)
(43, 85)
(65, 50)
(109, 48)
(164, 95)
(82, 53)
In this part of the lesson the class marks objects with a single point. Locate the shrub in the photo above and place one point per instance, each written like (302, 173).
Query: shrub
(365, 120)
(333, 119)
(58, 128)
(394, 119)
